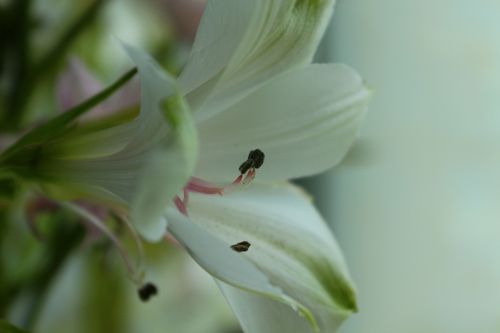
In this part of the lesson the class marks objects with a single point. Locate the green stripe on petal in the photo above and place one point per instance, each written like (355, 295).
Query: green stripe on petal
(264, 38)
(290, 244)
(233, 269)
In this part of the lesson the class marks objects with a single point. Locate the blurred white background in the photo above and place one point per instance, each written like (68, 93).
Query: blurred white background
(416, 205)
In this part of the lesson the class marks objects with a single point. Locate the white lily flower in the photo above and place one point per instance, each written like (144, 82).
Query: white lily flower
(250, 85)
(293, 275)
(251, 88)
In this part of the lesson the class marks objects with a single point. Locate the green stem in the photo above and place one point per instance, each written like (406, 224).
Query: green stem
(61, 46)
(25, 85)
(102, 95)
(16, 53)
(59, 124)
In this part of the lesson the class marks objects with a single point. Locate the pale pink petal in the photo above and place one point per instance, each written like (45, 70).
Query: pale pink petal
(77, 84)
(185, 16)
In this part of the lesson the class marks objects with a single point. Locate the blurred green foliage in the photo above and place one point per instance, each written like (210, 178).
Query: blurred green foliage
(57, 274)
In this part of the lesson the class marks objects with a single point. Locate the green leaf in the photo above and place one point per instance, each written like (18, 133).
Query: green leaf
(29, 144)
(7, 188)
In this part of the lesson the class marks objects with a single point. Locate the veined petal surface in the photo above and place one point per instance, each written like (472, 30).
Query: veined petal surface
(240, 44)
(290, 244)
(304, 120)
(218, 259)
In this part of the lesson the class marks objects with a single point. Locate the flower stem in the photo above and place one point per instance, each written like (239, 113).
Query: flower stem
(61, 46)
(48, 130)
(14, 58)
(30, 74)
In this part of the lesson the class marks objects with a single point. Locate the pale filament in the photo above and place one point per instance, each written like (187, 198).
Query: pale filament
(198, 185)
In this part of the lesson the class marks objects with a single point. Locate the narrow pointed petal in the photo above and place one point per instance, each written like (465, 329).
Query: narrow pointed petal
(171, 162)
(241, 43)
(290, 244)
(304, 121)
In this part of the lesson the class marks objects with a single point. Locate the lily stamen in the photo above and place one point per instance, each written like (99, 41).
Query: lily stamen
(135, 273)
(249, 177)
(185, 199)
(254, 161)
(181, 206)
(238, 180)
(247, 170)
(147, 291)
(198, 185)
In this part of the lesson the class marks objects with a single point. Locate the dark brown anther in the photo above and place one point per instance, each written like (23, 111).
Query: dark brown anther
(257, 157)
(241, 246)
(255, 160)
(245, 166)
(147, 291)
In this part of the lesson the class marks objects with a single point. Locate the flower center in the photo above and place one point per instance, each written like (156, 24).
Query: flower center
(247, 170)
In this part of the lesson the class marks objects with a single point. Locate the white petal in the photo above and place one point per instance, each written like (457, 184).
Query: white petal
(304, 121)
(290, 243)
(171, 163)
(241, 43)
(257, 314)
(153, 166)
(156, 86)
(221, 29)
(218, 259)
